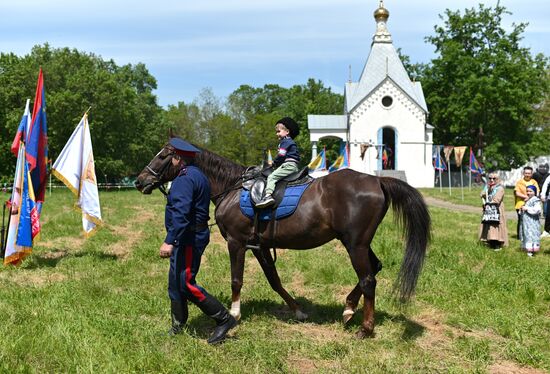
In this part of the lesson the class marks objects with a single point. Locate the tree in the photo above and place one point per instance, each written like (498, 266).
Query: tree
(125, 120)
(184, 120)
(257, 110)
(540, 144)
(484, 85)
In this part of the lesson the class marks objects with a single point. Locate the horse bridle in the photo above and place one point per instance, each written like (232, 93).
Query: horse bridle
(160, 174)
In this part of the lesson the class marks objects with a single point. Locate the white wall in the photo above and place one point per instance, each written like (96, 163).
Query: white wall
(407, 120)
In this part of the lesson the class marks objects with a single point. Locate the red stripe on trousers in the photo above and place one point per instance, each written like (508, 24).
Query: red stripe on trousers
(188, 262)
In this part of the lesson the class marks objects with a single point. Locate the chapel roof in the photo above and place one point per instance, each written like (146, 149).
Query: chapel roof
(383, 62)
(324, 121)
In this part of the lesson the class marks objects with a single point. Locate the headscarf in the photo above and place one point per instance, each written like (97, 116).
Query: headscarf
(532, 187)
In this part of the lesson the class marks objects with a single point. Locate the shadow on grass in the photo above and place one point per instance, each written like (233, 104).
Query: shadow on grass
(317, 313)
(51, 259)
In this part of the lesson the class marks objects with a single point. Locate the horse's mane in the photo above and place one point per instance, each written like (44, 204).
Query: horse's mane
(223, 170)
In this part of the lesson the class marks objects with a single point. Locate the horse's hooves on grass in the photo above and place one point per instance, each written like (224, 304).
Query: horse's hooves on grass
(301, 316)
(347, 315)
(362, 334)
(236, 315)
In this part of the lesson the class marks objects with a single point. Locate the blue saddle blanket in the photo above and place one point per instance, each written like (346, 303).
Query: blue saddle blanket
(286, 207)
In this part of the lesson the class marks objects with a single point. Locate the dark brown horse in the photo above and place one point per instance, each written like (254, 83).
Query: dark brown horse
(345, 205)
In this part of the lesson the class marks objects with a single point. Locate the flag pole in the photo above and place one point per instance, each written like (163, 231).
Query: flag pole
(87, 110)
(3, 230)
(50, 162)
(4, 237)
(449, 172)
(462, 183)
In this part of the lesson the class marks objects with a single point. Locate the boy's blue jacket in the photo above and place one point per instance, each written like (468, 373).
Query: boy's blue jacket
(287, 149)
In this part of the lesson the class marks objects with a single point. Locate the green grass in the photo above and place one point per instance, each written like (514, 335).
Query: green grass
(100, 305)
(471, 196)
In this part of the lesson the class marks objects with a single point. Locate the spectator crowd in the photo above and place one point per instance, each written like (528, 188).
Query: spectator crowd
(530, 202)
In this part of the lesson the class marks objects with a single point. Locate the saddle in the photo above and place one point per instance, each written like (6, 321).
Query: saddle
(255, 180)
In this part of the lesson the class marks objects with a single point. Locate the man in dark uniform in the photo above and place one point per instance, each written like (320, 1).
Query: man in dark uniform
(186, 221)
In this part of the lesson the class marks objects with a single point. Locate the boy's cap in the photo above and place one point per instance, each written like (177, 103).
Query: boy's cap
(291, 125)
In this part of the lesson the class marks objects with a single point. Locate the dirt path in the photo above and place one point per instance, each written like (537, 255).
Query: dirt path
(431, 201)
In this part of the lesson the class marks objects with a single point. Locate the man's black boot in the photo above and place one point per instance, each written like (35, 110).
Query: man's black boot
(224, 321)
(179, 314)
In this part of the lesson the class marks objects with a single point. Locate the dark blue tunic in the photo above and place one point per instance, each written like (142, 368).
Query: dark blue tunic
(185, 219)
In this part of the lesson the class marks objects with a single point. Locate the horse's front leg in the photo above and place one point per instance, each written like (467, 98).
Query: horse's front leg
(268, 266)
(236, 255)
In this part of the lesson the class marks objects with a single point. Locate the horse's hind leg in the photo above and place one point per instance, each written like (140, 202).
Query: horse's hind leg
(352, 300)
(351, 303)
(268, 266)
(367, 284)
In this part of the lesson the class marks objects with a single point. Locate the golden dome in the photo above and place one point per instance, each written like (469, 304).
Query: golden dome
(381, 13)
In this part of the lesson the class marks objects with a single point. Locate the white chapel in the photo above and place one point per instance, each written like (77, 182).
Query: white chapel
(384, 120)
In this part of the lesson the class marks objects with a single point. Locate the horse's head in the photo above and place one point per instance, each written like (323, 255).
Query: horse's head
(158, 172)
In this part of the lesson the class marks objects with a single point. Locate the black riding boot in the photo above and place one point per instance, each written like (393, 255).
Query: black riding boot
(224, 321)
(179, 313)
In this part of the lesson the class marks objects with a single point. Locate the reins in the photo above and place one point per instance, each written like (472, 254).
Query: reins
(235, 186)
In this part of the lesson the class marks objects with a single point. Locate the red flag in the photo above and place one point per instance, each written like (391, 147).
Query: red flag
(37, 141)
(21, 130)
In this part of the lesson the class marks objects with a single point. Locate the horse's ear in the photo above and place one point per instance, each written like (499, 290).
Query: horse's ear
(170, 133)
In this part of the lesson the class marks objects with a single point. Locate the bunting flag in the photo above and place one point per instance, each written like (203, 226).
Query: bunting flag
(459, 154)
(75, 167)
(319, 162)
(24, 223)
(342, 162)
(475, 166)
(447, 151)
(36, 143)
(363, 149)
(21, 130)
(439, 164)
(269, 157)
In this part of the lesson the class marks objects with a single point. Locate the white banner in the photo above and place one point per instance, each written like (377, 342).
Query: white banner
(75, 167)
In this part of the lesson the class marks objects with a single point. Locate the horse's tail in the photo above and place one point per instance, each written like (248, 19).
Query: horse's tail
(411, 211)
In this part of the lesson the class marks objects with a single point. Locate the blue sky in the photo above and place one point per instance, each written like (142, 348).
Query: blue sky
(219, 44)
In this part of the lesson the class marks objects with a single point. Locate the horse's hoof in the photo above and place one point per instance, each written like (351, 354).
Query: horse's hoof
(347, 315)
(235, 314)
(301, 316)
(363, 333)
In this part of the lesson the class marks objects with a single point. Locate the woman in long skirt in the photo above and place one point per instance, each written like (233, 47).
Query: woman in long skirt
(530, 222)
(494, 234)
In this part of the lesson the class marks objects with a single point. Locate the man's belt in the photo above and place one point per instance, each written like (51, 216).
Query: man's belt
(198, 227)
